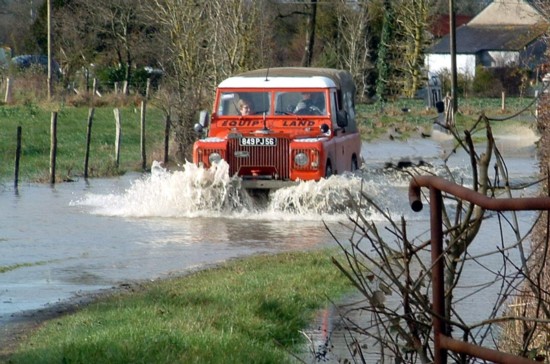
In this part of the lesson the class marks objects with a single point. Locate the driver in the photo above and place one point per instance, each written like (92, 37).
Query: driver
(306, 103)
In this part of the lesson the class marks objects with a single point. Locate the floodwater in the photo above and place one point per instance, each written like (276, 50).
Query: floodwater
(64, 241)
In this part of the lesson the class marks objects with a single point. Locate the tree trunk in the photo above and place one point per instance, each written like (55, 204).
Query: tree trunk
(310, 35)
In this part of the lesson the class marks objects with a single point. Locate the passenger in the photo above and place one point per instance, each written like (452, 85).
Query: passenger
(246, 107)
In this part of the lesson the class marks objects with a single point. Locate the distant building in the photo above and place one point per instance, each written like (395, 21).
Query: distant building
(505, 33)
(440, 25)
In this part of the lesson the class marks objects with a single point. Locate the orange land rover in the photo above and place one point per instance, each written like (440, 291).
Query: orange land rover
(277, 126)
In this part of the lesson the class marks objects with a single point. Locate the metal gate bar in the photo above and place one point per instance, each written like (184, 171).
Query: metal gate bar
(442, 339)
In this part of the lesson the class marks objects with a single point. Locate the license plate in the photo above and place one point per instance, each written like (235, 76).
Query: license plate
(258, 142)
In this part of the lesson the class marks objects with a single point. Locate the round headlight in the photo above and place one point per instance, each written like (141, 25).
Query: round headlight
(301, 159)
(214, 158)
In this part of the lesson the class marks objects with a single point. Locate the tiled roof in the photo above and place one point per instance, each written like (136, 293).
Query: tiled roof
(473, 39)
(440, 24)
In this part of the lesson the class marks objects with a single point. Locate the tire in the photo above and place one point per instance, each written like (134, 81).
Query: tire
(354, 165)
(328, 170)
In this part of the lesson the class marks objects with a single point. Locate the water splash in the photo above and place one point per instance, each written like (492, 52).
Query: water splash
(191, 192)
(331, 196)
(198, 192)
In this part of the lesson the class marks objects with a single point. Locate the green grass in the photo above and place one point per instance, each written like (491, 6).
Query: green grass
(35, 122)
(245, 311)
(7, 268)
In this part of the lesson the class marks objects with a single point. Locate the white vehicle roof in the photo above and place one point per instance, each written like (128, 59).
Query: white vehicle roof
(293, 77)
(277, 82)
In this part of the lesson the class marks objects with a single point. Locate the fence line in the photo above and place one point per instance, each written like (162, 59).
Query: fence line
(118, 136)
(142, 120)
(53, 146)
(17, 158)
(88, 140)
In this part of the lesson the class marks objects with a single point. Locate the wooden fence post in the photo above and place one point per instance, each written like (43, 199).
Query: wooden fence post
(166, 138)
(53, 147)
(88, 140)
(17, 158)
(503, 101)
(7, 96)
(143, 154)
(118, 133)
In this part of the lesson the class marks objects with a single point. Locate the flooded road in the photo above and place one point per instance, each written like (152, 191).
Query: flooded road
(58, 243)
(64, 241)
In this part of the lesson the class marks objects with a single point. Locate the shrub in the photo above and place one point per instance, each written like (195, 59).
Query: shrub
(491, 82)
(485, 84)
(138, 79)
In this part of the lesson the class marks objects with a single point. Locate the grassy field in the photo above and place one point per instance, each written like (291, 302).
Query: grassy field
(245, 311)
(35, 122)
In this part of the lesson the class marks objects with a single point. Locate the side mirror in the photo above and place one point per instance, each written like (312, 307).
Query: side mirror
(198, 128)
(342, 119)
(204, 121)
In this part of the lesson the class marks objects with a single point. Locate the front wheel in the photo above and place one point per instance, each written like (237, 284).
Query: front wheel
(354, 164)
(328, 170)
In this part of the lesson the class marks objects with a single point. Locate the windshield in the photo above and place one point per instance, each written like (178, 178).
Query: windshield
(300, 103)
(258, 103)
(244, 103)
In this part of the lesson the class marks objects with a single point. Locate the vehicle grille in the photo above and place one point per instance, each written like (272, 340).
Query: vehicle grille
(261, 157)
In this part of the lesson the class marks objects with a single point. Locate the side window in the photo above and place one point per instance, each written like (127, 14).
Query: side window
(349, 105)
(334, 108)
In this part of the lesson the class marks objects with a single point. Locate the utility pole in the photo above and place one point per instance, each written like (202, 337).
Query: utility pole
(452, 42)
(49, 15)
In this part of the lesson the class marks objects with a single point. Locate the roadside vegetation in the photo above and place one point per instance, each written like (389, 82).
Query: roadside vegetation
(251, 310)
(406, 118)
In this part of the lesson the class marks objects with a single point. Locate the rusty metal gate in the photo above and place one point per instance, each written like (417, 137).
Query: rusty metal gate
(442, 338)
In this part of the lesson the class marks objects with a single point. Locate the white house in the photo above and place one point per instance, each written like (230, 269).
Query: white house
(505, 33)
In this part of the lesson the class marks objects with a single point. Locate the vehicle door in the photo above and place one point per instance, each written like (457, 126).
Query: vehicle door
(340, 152)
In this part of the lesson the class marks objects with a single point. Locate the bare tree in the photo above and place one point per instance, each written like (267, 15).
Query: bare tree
(412, 26)
(349, 46)
(205, 43)
(115, 33)
(239, 39)
(75, 44)
(16, 18)
(311, 24)
(186, 27)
